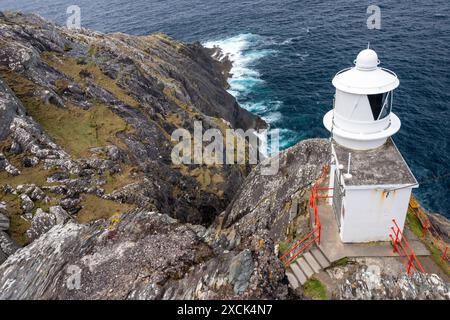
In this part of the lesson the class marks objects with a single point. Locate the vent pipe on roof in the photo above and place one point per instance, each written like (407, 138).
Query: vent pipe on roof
(348, 175)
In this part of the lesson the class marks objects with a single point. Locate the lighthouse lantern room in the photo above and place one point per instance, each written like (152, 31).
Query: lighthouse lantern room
(370, 182)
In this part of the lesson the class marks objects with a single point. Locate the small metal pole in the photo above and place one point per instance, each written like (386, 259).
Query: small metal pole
(348, 165)
(424, 230)
(320, 227)
(444, 255)
(395, 240)
(409, 264)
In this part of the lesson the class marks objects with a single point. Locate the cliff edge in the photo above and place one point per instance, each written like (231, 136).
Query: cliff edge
(91, 205)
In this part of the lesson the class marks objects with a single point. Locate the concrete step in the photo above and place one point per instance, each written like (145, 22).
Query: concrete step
(292, 280)
(301, 277)
(320, 257)
(312, 262)
(304, 266)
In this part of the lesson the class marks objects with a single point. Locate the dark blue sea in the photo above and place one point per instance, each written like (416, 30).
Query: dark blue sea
(286, 53)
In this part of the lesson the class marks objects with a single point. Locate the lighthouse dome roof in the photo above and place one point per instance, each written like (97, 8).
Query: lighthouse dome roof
(366, 77)
(367, 60)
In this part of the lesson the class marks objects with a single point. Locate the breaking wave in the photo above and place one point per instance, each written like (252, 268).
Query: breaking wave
(246, 51)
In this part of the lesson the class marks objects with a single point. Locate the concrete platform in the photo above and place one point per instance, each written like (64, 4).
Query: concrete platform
(334, 249)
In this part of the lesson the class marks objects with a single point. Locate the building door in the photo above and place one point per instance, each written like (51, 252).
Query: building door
(338, 195)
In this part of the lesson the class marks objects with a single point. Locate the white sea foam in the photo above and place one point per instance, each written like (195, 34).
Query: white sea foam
(245, 50)
(288, 137)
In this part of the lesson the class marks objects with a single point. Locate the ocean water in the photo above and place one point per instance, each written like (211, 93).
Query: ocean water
(286, 52)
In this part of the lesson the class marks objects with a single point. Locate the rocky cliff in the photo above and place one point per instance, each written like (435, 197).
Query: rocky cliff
(91, 206)
(148, 255)
(86, 120)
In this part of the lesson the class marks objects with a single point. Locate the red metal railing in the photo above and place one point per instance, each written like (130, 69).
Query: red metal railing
(301, 246)
(402, 247)
(313, 236)
(444, 256)
(426, 226)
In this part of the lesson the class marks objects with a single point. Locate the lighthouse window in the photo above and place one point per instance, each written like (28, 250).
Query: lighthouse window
(380, 104)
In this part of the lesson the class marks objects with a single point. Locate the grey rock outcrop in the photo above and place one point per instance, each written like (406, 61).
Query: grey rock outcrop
(141, 250)
(43, 221)
(240, 270)
(7, 246)
(26, 203)
(147, 255)
(4, 222)
(263, 198)
(61, 215)
(9, 108)
(441, 226)
(366, 285)
(8, 167)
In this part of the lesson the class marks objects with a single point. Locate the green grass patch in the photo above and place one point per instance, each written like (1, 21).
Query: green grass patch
(315, 289)
(283, 247)
(71, 68)
(18, 225)
(119, 180)
(75, 129)
(95, 208)
(37, 175)
(340, 263)
(415, 226)
(92, 51)
(78, 130)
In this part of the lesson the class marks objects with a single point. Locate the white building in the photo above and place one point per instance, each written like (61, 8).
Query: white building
(371, 180)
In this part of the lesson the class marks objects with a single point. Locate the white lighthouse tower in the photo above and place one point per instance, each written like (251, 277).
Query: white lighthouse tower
(371, 181)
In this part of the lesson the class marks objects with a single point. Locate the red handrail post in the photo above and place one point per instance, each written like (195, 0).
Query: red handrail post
(410, 263)
(395, 241)
(444, 254)
(318, 240)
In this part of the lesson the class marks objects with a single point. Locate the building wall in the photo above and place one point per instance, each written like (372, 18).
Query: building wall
(368, 214)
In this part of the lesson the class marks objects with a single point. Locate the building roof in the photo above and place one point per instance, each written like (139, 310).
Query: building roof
(383, 166)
